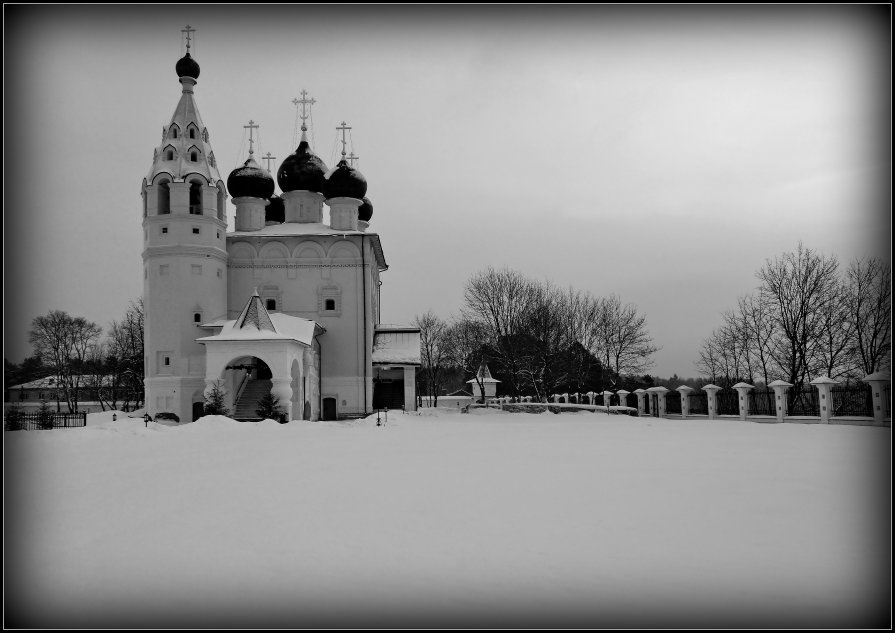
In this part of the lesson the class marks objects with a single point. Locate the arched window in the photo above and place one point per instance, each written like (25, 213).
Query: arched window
(195, 198)
(169, 155)
(194, 157)
(197, 318)
(173, 132)
(192, 132)
(164, 198)
(222, 202)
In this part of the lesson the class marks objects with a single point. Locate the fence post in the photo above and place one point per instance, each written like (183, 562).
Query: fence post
(639, 393)
(743, 389)
(780, 387)
(685, 400)
(622, 397)
(824, 386)
(606, 396)
(712, 400)
(660, 398)
(878, 383)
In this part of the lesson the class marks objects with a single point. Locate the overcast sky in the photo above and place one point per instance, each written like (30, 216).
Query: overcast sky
(662, 154)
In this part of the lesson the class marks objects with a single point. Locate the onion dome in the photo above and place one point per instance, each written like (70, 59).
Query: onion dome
(250, 180)
(344, 181)
(275, 211)
(187, 67)
(302, 170)
(365, 211)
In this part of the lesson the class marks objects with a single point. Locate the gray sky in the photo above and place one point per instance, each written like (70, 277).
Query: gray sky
(662, 154)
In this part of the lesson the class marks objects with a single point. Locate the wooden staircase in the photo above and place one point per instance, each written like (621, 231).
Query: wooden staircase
(254, 390)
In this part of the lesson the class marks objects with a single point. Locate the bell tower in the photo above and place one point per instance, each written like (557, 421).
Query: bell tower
(184, 253)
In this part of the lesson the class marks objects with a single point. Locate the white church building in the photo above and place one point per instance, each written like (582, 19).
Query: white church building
(288, 303)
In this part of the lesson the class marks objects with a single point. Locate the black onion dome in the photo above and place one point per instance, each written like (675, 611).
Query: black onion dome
(302, 171)
(250, 180)
(365, 211)
(345, 182)
(187, 67)
(275, 211)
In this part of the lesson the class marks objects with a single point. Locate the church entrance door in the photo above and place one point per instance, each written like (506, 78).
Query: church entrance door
(329, 408)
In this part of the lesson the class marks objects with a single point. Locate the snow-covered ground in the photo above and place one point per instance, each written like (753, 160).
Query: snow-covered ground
(490, 519)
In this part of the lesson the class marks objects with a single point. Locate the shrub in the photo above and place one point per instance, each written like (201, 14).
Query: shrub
(167, 415)
(13, 419)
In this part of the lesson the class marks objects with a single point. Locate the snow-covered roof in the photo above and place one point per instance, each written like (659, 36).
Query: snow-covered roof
(286, 327)
(483, 376)
(50, 382)
(396, 346)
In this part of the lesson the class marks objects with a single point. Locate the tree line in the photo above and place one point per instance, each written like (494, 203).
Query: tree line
(807, 318)
(83, 362)
(537, 338)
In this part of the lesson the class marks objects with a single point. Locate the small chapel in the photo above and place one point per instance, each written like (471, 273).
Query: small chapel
(287, 303)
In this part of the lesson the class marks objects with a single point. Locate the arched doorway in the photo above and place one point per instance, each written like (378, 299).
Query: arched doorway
(248, 381)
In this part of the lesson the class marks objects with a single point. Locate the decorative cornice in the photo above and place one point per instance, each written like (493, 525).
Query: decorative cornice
(195, 251)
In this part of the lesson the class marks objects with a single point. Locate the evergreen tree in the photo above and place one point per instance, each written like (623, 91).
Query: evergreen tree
(45, 418)
(269, 408)
(215, 403)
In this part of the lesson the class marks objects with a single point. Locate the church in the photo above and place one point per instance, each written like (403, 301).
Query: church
(286, 303)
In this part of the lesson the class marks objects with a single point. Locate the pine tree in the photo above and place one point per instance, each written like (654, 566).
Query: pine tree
(215, 403)
(269, 407)
(45, 418)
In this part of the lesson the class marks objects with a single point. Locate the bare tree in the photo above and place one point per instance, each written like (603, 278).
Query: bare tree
(624, 339)
(836, 331)
(466, 343)
(125, 364)
(798, 286)
(500, 300)
(64, 342)
(434, 351)
(869, 301)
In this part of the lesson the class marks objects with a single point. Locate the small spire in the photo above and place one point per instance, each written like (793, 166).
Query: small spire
(268, 158)
(188, 31)
(251, 126)
(305, 104)
(344, 128)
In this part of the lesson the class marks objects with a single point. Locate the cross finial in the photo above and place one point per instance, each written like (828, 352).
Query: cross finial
(344, 127)
(269, 158)
(305, 104)
(189, 31)
(352, 158)
(251, 126)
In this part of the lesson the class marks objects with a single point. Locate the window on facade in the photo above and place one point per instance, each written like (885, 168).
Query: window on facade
(163, 269)
(219, 234)
(197, 317)
(194, 156)
(167, 362)
(164, 229)
(164, 198)
(195, 230)
(192, 133)
(271, 304)
(195, 198)
(220, 273)
(330, 304)
(174, 132)
(169, 155)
